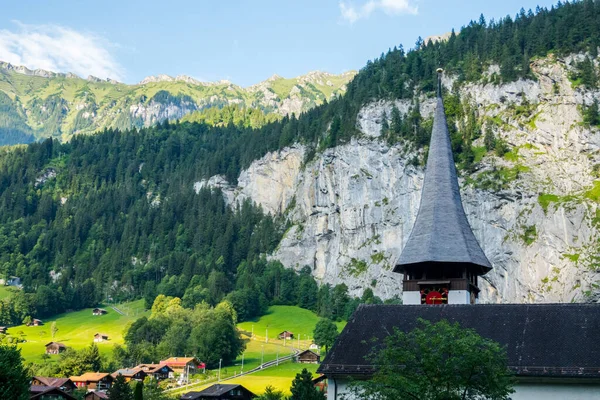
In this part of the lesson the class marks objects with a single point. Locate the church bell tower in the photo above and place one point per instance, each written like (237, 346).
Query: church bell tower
(442, 260)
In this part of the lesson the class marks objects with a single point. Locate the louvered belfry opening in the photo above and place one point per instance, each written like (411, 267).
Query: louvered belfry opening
(442, 259)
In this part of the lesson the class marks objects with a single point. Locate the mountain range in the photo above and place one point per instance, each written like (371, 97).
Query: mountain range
(36, 104)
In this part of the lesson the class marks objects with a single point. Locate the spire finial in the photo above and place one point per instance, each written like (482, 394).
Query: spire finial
(439, 85)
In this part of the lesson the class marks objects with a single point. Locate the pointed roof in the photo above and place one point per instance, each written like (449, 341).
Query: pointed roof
(441, 233)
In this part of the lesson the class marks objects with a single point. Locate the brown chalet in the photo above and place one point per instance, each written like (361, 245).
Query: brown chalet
(98, 311)
(35, 322)
(285, 335)
(64, 384)
(308, 357)
(93, 380)
(48, 393)
(95, 396)
(55, 348)
(100, 337)
(220, 392)
(135, 374)
(157, 371)
(2, 329)
(183, 365)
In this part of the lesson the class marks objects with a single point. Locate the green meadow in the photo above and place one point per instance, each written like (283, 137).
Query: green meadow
(76, 329)
(5, 291)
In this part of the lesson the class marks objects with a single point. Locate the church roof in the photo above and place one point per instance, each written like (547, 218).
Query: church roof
(441, 232)
(542, 340)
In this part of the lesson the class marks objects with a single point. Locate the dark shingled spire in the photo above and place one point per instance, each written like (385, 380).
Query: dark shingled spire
(441, 233)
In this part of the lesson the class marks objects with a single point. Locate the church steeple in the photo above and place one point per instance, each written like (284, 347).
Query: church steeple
(442, 258)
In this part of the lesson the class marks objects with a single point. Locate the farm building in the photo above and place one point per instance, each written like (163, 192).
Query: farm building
(182, 365)
(220, 392)
(157, 371)
(11, 281)
(35, 322)
(2, 329)
(48, 392)
(136, 374)
(99, 311)
(285, 335)
(100, 337)
(64, 384)
(95, 396)
(55, 348)
(93, 380)
(308, 357)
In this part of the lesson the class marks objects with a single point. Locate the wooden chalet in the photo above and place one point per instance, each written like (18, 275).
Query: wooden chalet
(100, 337)
(35, 322)
(130, 374)
(96, 395)
(55, 348)
(99, 311)
(308, 357)
(3, 329)
(48, 393)
(93, 380)
(285, 335)
(157, 371)
(64, 384)
(221, 392)
(183, 365)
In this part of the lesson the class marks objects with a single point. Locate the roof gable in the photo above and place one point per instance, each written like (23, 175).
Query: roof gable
(540, 339)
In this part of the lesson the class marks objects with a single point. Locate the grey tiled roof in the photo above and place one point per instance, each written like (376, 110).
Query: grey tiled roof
(441, 232)
(551, 340)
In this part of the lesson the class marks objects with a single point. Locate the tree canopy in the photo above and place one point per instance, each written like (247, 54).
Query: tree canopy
(14, 379)
(438, 361)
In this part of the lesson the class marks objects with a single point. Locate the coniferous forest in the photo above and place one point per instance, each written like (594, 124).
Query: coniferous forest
(115, 215)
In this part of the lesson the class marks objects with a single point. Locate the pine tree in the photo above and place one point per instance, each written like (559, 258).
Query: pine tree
(303, 388)
(14, 381)
(138, 393)
(120, 390)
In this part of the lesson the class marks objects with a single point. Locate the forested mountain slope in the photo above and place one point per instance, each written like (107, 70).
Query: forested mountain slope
(36, 104)
(131, 214)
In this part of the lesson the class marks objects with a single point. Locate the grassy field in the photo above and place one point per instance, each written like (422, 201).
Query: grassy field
(279, 318)
(77, 329)
(5, 291)
(297, 320)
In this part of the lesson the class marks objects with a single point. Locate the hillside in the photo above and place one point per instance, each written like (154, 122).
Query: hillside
(36, 104)
(332, 194)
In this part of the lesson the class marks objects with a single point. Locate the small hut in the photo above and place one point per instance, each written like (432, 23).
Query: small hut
(308, 357)
(55, 348)
(99, 311)
(285, 335)
(100, 337)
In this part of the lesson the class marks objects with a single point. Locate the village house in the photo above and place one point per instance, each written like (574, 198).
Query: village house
(100, 337)
(64, 384)
(55, 348)
(93, 380)
(285, 335)
(184, 365)
(11, 281)
(308, 357)
(135, 374)
(48, 393)
(220, 392)
(98, 311)
(96, 395)
(35, 322)
(3, 329)
(157, 371)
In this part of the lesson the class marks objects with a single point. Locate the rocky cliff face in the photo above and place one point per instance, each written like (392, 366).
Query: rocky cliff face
(534, 211)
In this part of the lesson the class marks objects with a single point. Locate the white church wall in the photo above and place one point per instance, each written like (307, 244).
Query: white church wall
(411, 298)
(523, 391)
(459, 297)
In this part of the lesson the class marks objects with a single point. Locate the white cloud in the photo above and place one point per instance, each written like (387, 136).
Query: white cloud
(352, 13)
(59, 49)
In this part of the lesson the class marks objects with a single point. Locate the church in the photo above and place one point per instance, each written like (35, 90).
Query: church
(553, 349)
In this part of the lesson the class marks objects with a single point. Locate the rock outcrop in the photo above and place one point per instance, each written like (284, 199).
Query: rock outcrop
(353, 206)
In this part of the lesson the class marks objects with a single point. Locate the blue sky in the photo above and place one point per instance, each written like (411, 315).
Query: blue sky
(242, 41)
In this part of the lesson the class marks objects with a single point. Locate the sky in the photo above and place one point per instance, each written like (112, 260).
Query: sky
(241, 41)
